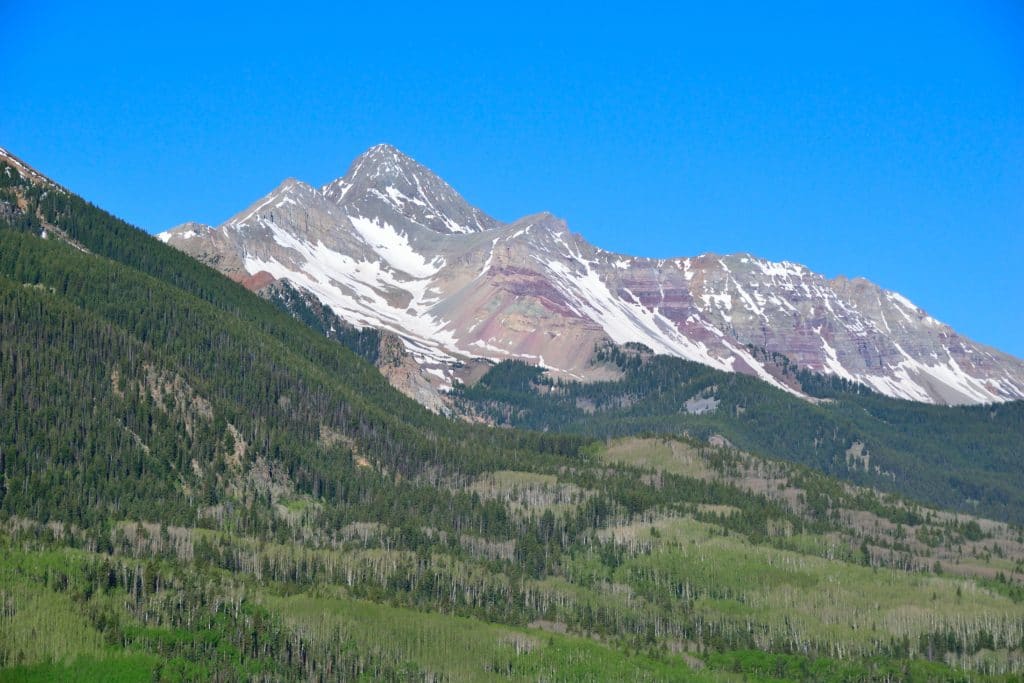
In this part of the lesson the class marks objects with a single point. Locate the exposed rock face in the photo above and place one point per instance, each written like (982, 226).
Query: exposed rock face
(387, 184)
(384, 349)
(406, 375)
(392, 246)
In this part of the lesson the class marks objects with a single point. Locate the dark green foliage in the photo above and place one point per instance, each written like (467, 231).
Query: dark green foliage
(124, 669)
(787, 667)
(364, 343)
(73, 322)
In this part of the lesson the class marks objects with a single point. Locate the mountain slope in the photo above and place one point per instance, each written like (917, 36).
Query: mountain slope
(132, 367)
(964, 458)
(392, 246)
(194, 485)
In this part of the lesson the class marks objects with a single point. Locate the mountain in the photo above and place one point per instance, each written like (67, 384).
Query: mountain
(392, 246)
(130, 365)
(199, 484)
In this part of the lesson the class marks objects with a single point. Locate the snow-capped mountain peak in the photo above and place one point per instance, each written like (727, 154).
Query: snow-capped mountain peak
(391, 245)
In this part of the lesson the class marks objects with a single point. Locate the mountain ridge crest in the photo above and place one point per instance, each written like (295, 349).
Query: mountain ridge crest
(392, 245)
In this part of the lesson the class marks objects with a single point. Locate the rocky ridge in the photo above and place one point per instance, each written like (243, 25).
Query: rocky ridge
(392, 246)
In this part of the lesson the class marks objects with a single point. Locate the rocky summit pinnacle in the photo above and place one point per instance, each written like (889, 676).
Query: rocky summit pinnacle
(391, 245)
(383, 179)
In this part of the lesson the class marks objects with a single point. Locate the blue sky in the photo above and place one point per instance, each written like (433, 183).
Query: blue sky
(883, 140)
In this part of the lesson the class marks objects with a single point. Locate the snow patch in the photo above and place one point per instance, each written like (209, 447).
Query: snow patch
(394, 247)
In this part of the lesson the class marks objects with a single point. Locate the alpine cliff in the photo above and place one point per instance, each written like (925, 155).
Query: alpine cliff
(392, 246)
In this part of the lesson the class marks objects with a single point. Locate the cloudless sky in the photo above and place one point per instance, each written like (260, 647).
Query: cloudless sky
(883, 140)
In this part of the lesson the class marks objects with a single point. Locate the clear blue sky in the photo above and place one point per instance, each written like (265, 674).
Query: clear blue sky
(882, 140)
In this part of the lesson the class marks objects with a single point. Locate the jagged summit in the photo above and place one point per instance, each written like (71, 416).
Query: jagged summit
(391, 245)
(383, 179)
(384, 161)
(379, 166)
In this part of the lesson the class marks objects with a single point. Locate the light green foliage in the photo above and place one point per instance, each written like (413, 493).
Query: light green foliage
(468, 649)
(834, 607)
(667, 455)
(38, 625)
(530, 492)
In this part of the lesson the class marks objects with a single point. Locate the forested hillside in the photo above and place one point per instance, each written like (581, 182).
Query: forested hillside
(966, 458)
(194, 485)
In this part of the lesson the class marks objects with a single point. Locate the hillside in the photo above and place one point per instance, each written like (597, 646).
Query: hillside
(196, 485)
(965, 458)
